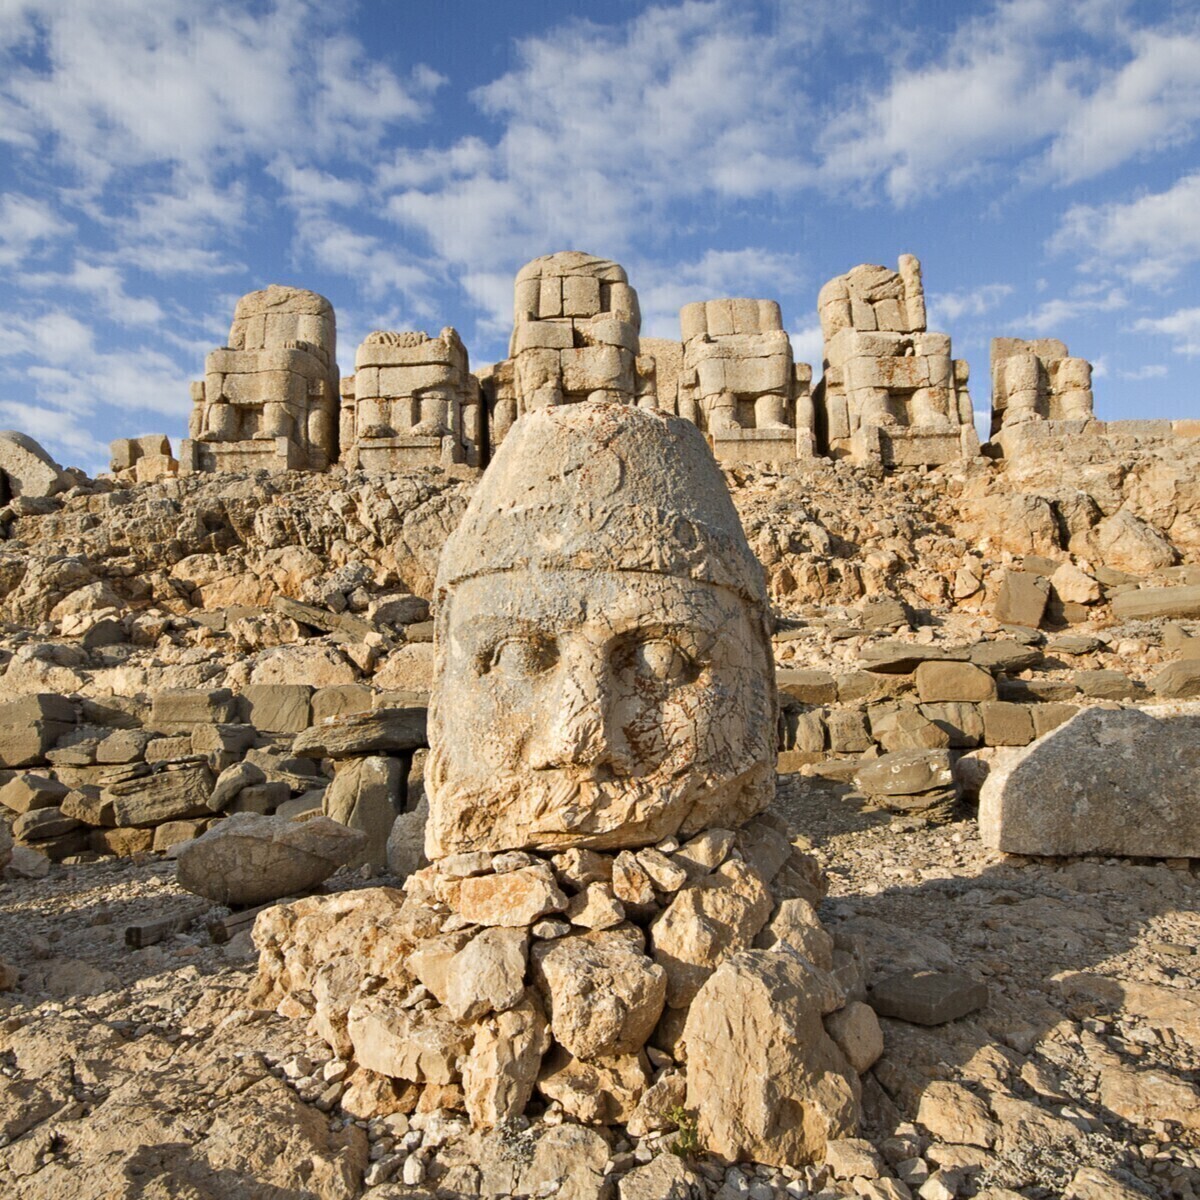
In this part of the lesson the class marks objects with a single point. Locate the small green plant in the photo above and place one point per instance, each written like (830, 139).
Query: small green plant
(687, 1140)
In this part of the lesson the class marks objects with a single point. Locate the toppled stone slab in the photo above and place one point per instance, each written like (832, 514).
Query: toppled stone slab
(905, 773)
(384, 731)
(182, 791)
(1109, 781)
(927, 997)
(27, 468)
(1146, 604)
(1022, 599)
(250, 859)
(902, 658)
(321, 618)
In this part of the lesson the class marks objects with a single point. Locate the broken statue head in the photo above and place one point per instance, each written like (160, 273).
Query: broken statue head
(604, 675)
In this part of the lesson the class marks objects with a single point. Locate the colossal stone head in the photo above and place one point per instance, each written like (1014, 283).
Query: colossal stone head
(604, 675)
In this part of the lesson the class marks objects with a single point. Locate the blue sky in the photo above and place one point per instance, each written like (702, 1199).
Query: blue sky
(158, 158)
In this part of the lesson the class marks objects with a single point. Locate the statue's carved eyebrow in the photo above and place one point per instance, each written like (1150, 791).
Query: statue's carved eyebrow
(486, 628)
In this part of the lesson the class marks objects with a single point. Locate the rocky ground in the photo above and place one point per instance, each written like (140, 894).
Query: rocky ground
(143, 1073)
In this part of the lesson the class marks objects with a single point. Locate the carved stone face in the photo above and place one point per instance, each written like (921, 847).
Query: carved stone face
(599, 708)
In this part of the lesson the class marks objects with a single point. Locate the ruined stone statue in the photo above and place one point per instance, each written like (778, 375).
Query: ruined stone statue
(604, 675)
(739, 381)
(610, 925)
(414, 402)
(269, 399)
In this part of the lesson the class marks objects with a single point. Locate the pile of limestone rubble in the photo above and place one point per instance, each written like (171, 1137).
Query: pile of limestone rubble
(199, 665)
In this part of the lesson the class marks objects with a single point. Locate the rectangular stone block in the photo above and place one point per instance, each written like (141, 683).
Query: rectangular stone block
(745, 315)
(404, 381)
(166, 796)
(755, 376)
(543, 335)
(720, 318)
(607, 330)
(366, 383)
(1109, 781)
(1145, 604)
(1006, 723)
(180, 710)
(29, 727)
(550, 297)
(580, 296)
(770, 317)
(340, 700)
(278, 707)
(621, 300)
(526, 297)
(693, 320)
(808, 687)
(589, 368)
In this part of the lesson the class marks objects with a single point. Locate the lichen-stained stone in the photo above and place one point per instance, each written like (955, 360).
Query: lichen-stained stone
(758, 1021)
(708, 920)
(604, 676)
(499, 1073)
(1109, 781)
(250, 859)
(602, 996)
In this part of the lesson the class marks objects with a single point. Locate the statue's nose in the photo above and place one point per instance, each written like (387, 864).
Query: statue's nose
(579, 731)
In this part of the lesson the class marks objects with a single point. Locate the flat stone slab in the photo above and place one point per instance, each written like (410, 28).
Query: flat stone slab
(902, 658)
(384, 731)
(927, 997)
(1108, 781)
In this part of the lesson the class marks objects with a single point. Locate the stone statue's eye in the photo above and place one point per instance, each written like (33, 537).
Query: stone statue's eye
(517, 657)
(662, 660)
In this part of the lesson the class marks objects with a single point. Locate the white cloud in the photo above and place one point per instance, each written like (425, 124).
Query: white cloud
(665, 287)
(106, 285)
(1048, 318)
(990, 95)
(26, 225)
(1019, 84)
(1183, 326)
(1149, 239)
(808, 345)
(604, 128)
(946, 307)
(1151, 104)
(1149, 371)
(131, 82)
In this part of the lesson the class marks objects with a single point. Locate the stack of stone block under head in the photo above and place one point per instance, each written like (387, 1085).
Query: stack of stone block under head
(269, 400)
(142, 459)
(740, 384)
(1038, 381)
(413, 403)
(891, 391)
(575, 337)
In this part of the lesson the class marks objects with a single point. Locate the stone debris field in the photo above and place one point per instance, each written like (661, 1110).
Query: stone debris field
(633, 770)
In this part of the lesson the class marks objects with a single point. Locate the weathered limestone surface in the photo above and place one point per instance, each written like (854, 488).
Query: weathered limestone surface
(758, 1020)
(1109, 781)
(581, 665)
(249, 859)
(604, 690)
(1037, 381)
(575, 337)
